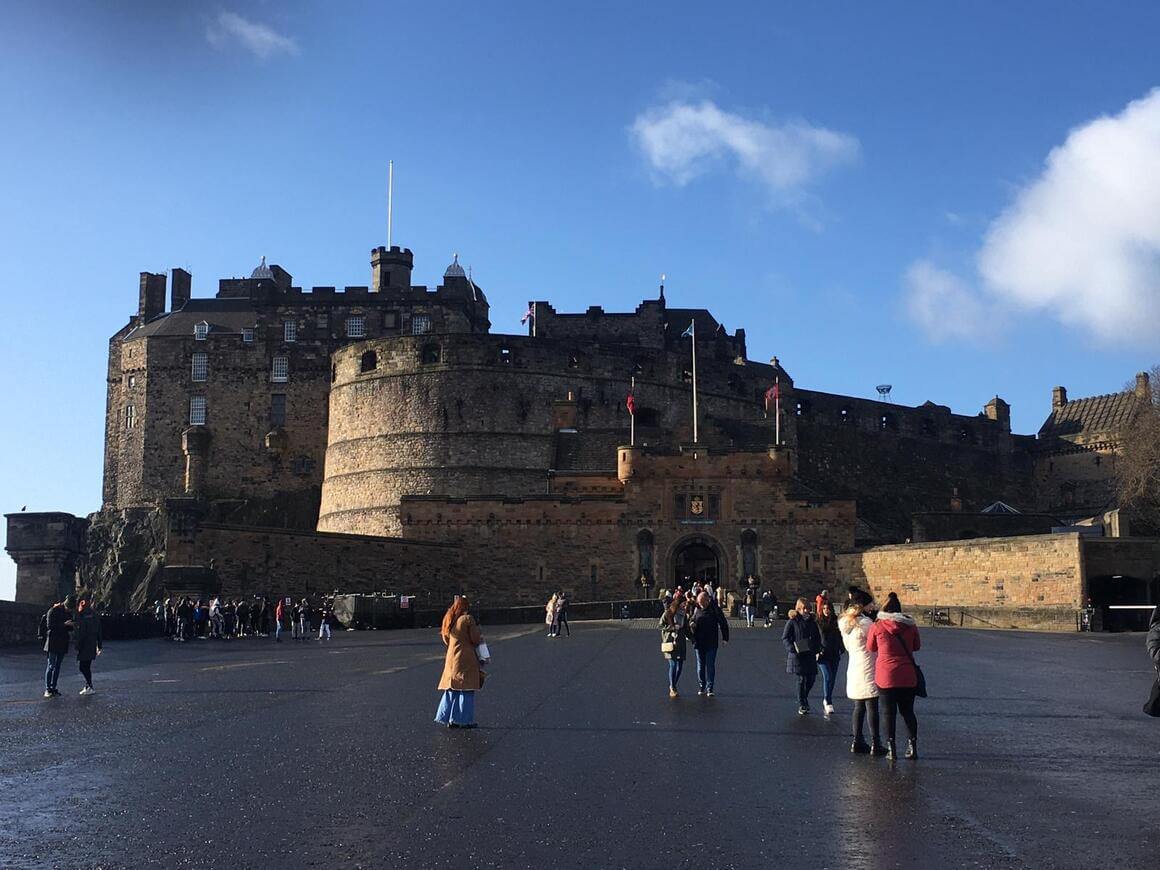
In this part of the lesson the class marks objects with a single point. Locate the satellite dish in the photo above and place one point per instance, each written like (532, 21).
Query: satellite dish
(884, 391)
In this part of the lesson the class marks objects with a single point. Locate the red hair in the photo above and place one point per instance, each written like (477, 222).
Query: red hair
(457, 609)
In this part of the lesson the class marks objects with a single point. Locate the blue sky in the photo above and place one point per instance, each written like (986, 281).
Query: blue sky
(960, 199)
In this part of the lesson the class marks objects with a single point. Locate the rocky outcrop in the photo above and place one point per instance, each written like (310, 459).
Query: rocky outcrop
(126, 552)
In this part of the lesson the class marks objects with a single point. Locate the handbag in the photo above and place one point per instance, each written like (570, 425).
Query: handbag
(668, 646)
(1152, 705)
(482, 652)
(802, 647)
(920, 677)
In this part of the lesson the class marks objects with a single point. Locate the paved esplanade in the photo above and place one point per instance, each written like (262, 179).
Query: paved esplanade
(251, 754)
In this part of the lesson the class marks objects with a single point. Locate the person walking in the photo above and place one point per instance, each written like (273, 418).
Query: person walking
(854, 623)
(830, 655)
(707, 620)
(88, 641)
(462, 675)
(304, 624)
(55, 628)
(562, 614)
(324, 622)
(802, 643)
(751, 600)
(674, 626)
(894, 637)
(279, 617)
(550, 616)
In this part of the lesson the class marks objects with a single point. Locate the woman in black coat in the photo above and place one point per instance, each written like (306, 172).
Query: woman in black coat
(802, 642)
(87, 636)
(832, 649)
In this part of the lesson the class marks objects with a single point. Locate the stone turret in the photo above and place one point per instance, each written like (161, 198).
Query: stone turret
(48, 549)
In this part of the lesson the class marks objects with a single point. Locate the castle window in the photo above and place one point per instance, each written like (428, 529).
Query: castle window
(199, 369)
(886, 422)
(132, 380)
(749, 553)
(278, 409)
(289, 330)
(280, 372)
(573, 360)
(679, 506)
(248, 334)
(197, 410)
(368, 363)
(356, 326)
(420, 324)
(391, 320)
(505, 355)
(967, 435)
(429, 354)
(130, 416)
(323, 322)
(200, 331)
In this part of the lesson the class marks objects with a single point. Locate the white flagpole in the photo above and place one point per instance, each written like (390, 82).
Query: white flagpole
(632, 416)
(390, 198)
(776, 412)
(693, 327)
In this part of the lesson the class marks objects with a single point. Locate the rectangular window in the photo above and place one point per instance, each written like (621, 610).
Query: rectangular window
(280, 373)
(248, 334)
(130, 416)
(278, 409)
(200, 330)
(323, 322)
(356, 326)
(200, 367)
(132, 380)
(197, 410)
(420, 324)
(391, 320)
(289, 330)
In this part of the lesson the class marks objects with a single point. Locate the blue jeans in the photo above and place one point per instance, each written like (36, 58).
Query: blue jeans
(676, 666)
(456, 708)
(706, 667)
(52, 672)
(829, 677)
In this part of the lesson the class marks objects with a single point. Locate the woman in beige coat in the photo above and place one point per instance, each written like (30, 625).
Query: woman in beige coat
(860, 687)
(462, 675)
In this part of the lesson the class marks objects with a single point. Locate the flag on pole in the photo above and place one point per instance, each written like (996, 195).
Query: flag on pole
(772, 395)
(530, 314)
(630, 403)
(688, 333)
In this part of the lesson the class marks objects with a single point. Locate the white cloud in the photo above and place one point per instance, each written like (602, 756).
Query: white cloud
(682, 140)
(261, 40)
(1082, 241)
(944, 305)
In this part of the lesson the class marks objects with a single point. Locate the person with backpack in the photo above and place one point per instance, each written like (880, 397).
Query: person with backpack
(88, 641)
(894, 637)
(55, 628)
(751, 600)
(803, 643)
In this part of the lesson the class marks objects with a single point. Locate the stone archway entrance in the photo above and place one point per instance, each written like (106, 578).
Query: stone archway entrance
(696, 558)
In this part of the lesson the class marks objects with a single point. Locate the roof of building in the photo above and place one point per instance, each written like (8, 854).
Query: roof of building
(1091, 416)
(1000, 507)
(454, 270)
(262, 270)
(222, 315)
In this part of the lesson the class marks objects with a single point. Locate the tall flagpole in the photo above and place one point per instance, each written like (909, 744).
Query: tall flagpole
(390, 198)
(632, 415)
(693, 328)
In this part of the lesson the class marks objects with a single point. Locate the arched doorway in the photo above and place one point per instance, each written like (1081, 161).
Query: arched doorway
(696, 558)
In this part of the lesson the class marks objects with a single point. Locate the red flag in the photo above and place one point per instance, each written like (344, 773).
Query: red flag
(771, 395)
(630, 403)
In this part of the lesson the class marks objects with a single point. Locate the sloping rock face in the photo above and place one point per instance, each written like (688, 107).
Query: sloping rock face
(126, 551)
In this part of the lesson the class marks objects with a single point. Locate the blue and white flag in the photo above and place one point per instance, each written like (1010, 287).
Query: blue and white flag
(688, 333)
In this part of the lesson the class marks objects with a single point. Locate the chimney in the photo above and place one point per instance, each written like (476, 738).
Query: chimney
(179, 289)
(1058, 397)
(1143, 387)
(151, 301)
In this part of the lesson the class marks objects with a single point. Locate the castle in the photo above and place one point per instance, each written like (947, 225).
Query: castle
(275, 439)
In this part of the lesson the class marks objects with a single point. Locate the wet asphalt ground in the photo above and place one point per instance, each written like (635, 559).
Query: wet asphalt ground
(253, 754)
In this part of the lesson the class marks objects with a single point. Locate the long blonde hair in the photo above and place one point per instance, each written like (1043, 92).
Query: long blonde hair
(457, 609)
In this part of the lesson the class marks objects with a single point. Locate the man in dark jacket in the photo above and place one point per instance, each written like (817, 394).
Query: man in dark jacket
(706, 622)
(55, 626)
(1153, 641)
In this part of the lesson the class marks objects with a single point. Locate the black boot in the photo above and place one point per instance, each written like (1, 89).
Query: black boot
(891, 752)
(860, 746)
(912, 748)
(876, 748)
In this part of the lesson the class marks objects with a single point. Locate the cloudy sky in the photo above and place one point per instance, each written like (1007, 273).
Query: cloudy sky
(960, 199)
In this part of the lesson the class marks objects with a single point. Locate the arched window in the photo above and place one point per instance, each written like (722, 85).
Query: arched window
(368, 362)
(748, 554)
(644, 557)
(429, 354)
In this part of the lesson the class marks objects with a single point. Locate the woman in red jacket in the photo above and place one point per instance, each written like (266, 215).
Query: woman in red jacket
(894, 637)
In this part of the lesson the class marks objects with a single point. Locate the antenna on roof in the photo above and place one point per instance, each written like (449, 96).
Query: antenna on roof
(390, 198)
(884, 391)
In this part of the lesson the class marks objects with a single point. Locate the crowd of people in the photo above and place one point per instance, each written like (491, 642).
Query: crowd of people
(185, 619)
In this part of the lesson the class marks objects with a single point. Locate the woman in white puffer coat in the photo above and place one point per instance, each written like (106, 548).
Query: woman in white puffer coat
(860, 687)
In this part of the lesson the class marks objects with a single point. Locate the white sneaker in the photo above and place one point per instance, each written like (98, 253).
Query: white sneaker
(47, 693)
(829, 708)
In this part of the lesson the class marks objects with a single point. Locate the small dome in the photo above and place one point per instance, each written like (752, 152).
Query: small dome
(455, 270)
(263, 271)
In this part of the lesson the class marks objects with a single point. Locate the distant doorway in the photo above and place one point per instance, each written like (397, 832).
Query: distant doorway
(696, 560)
